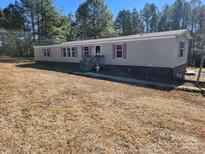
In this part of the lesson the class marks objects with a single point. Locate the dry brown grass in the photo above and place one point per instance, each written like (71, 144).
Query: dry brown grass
(50, 112)
(196, 70)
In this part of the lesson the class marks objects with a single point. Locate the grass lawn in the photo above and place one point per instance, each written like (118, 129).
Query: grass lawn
(53, 112)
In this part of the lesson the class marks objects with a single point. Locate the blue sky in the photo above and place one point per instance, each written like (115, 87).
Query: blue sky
(66, 6)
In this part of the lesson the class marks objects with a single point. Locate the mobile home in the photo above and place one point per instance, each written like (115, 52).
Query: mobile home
(162, 54)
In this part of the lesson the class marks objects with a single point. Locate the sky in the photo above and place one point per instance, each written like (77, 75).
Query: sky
(67, 6)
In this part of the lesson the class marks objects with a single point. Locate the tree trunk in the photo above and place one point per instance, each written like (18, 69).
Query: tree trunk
(33, 26)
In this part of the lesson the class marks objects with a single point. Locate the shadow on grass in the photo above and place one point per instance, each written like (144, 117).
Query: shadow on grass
(63, 68)
(71, 68)
(8, 59)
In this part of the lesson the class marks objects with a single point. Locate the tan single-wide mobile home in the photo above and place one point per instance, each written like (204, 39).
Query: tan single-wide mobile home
(162, 54)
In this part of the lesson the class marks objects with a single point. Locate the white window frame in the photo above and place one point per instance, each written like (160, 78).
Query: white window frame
(180, 49)
(47, 52)
(64, 53)
(74, 54)
(86, 51)
(87, 48)
(44, 52)
(68, 50)
(116, 50)
(73, 48)
(73, 51)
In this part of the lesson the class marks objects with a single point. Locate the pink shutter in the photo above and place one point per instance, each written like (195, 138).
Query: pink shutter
(113, 51)
(124, 51)
(76, 50)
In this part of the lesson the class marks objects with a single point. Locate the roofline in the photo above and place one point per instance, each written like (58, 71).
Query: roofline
(103, 42)
(188, 35)
(145, 36)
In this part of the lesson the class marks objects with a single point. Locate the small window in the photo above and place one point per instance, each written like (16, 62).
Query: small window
(119, 51)
(68, 53)
(67, 50)
(64, 52)
(119, 47)
(181, 49)
(48, 53)
(73, 48)
(86, 48)
(45, 52)
(182, 44)
(181, 54)
(86, 54)
(73, 54)
(73, 51)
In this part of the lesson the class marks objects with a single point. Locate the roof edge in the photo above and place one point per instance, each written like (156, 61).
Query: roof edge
(175, 33)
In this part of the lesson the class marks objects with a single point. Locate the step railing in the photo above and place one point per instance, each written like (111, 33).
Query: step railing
(88, 63)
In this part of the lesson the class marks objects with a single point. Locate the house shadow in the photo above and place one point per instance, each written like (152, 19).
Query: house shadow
(63, 68)
(73, 68)
(9, 59)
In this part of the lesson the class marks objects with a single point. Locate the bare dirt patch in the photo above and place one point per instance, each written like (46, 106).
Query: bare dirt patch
(53, 112)
(196, 71)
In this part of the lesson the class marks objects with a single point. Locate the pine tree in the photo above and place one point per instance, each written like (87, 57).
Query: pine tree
(42, 16)
(123, 23)
(137, 23)
(61, 29)
(165, 19)
(12, 17)
(150, 17)
(180, 14)
(94, 20)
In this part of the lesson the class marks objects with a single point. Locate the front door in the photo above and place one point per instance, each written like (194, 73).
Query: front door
(97, 50)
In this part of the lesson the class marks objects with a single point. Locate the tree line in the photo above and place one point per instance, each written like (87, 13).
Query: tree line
(39, 22)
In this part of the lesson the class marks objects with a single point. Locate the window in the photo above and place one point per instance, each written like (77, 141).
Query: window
(119, 51)
(86, 54)
(64, 52)
(73, 48)
(86, 49)
(73, 54)
(68, 52)
(181, 49)
(47, 52)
